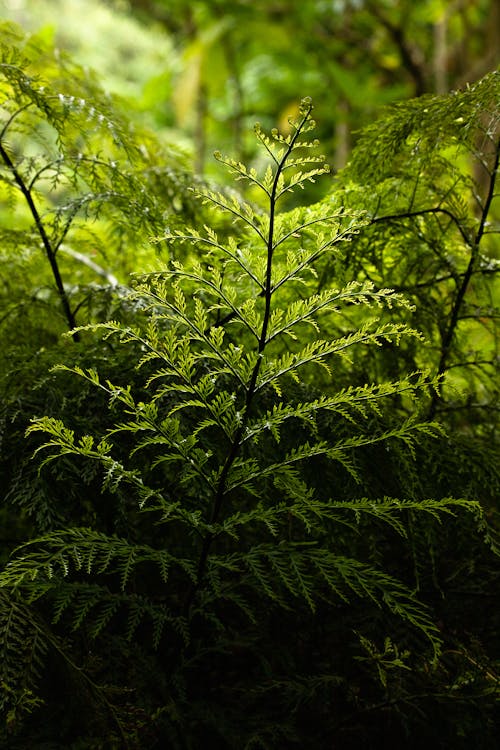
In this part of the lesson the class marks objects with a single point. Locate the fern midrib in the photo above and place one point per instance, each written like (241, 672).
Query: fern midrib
(251, 388)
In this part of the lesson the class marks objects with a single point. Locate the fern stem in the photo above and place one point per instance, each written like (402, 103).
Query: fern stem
(462, 290)
(251, 388)
(49, 250)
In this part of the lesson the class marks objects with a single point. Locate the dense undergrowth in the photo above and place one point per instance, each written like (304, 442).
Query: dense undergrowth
(249, 470)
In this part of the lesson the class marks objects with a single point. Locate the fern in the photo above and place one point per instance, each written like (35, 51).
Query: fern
(433, 208)
(183, 341)
(23, 649)
(78, 175)
(225, 451)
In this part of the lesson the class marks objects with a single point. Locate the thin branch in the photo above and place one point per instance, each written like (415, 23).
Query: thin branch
(459, 299)
(11, 119)
(422, 212)
(49, 250)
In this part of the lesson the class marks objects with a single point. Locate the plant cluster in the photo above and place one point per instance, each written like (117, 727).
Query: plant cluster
(247, 527)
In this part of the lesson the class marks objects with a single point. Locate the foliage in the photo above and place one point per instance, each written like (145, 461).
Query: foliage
(240, 528)
(237, 62)
(210, 70)
(434, 215)
(79, 165)
(77, 183)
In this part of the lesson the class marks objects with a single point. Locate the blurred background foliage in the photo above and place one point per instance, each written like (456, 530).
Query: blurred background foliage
(209, 70)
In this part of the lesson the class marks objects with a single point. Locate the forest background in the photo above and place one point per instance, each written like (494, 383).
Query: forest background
(250, 498)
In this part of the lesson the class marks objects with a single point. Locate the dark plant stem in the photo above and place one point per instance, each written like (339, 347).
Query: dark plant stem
(50, 251)
(411, 55)
(462, 289)
(221, 491)
(423, 212)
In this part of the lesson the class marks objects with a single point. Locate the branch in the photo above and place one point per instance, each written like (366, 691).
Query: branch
(455, 313)
(422, 212)
(49, 250)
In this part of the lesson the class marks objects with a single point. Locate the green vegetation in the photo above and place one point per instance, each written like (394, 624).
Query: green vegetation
(249, 458)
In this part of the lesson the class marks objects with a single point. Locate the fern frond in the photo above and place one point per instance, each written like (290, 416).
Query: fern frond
(319, 352)
(303, 570)
(23, 648)
(60, 553)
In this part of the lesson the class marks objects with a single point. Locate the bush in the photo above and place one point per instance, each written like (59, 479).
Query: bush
(250, 532)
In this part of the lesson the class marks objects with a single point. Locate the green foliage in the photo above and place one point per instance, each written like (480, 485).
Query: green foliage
(434, 214)
(211, 69)
(79, 180)
(240, 528)
(79, 188)
(23, 650)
